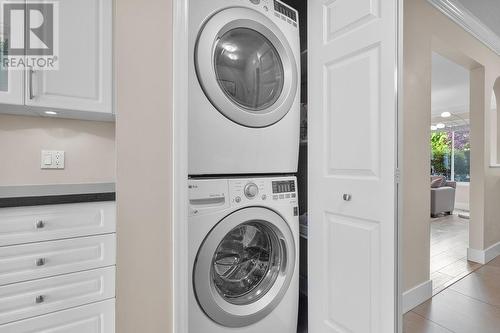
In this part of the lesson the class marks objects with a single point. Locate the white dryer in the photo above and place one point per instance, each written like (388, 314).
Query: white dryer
(243, 255)
(244, 97)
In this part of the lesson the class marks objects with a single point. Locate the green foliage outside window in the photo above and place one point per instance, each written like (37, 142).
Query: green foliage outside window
(441, 154)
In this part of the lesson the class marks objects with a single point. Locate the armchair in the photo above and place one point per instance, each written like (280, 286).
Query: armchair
(443, 198)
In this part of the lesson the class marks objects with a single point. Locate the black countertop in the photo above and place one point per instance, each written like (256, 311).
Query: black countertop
(37, 195)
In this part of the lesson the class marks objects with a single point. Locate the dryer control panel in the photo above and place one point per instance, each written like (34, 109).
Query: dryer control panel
(280, 10)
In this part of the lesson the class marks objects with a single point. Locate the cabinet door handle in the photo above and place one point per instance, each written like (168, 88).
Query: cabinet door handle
(40, 299)
(32, 95)
(40, 224)
(41, 261)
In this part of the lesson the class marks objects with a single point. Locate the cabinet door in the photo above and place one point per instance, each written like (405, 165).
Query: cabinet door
(93, 318)
(11, 83)
(84, 79)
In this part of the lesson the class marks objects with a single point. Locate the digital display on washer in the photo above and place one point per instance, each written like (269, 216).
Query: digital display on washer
(283, 186)
(281, 8)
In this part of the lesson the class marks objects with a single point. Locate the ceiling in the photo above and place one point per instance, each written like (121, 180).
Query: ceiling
(487, 11)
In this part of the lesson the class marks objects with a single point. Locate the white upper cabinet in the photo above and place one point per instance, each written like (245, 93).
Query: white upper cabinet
(84, 78)
(82, 84)
(11, 84)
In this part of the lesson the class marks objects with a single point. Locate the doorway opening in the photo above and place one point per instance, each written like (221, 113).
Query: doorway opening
(450, 164)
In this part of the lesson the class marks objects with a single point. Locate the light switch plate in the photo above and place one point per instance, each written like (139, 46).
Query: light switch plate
(52, 159)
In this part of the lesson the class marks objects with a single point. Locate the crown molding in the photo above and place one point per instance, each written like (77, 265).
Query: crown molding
(470, 23)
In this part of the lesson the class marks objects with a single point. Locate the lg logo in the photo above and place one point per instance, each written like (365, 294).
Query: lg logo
(30, 31)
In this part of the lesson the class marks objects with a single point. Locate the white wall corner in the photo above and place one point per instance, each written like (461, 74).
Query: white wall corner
(483, 256)
(470, 23)
(417, 295)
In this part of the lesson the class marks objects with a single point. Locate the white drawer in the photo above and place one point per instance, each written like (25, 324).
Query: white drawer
(33, 224)
(33, 298)
(93, 318)
(38, 260)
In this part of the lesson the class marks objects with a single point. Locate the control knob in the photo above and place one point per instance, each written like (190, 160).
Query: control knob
(251, 190)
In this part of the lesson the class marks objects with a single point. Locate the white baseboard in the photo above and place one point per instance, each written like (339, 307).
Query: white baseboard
(462, 206)
(417, 295)
(483, 256)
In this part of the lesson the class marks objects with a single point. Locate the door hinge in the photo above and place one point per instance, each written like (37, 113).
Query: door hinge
(397, 176)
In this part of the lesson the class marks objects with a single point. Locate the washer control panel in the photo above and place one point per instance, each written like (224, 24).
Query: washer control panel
(210, 195)
(245, 191)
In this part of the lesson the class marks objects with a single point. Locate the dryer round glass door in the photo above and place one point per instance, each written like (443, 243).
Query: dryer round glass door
(246, 67)
(244, 267)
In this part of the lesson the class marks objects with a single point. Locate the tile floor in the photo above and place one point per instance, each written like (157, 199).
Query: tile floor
(449, 242)
(472, 305)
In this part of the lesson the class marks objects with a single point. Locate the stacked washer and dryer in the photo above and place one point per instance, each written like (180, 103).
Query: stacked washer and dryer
(243, 153)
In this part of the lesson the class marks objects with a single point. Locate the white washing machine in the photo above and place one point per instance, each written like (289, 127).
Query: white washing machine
(244, 97)
(243, 255)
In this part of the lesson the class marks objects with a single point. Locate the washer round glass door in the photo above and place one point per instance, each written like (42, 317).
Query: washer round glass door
(246, 67)
(244, 267)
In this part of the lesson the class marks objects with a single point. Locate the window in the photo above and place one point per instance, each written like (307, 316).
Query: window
(450, 153)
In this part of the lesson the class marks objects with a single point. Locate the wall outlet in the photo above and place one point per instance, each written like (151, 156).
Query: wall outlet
(52, 159)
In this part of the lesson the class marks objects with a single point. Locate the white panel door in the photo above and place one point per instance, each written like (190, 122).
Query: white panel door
(84, 78)
(352, 164)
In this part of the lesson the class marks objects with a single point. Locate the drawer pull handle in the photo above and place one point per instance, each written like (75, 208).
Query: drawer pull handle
(40, 299)
(40, 224)
(40, 261)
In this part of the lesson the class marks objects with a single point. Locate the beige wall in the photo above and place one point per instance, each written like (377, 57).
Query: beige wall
(425, 30)
(143, 31)
(89, 147)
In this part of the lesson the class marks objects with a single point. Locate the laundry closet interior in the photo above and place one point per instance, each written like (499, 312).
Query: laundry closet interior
(247, 166)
